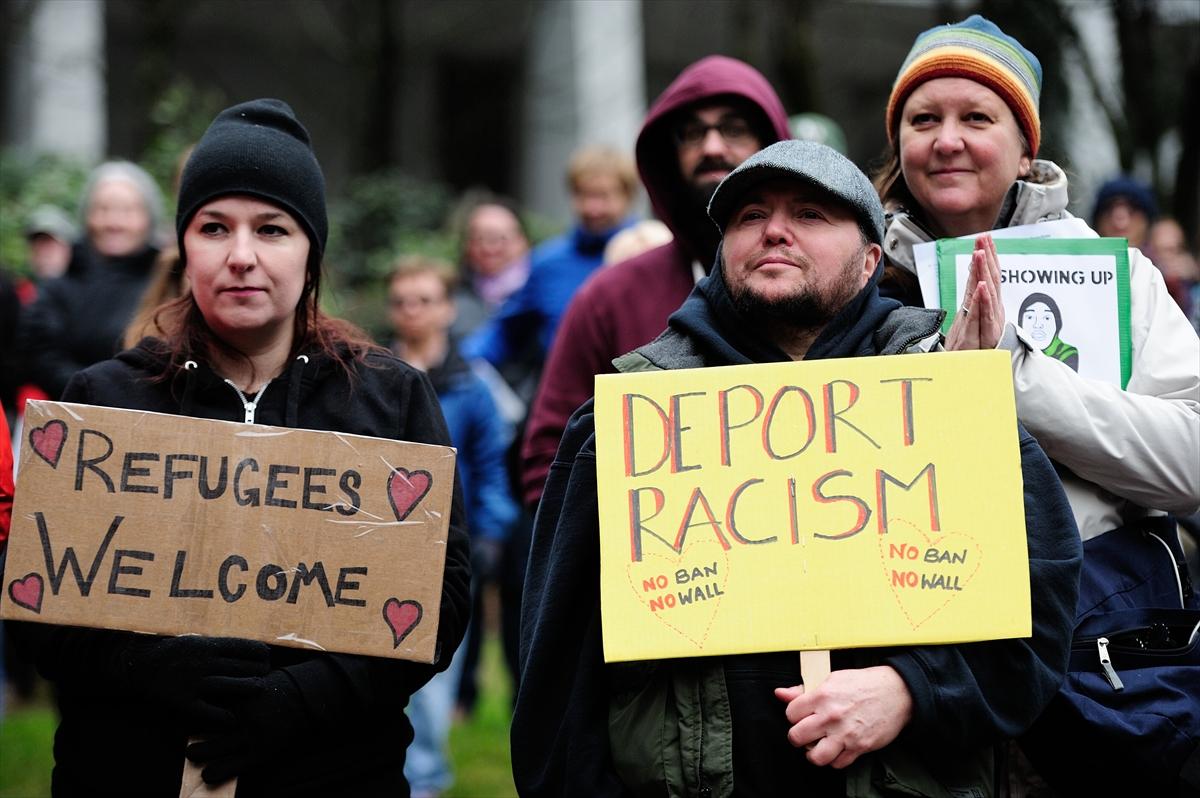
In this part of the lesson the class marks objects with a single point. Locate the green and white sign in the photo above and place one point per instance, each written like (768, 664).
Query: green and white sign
(1069, 296)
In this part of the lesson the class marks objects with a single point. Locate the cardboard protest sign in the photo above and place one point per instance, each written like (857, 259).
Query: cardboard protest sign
(1070, 296)
(176, 525)
(812, 505)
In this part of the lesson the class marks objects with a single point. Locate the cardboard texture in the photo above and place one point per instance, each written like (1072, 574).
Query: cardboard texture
(174, 525)
(814, 505)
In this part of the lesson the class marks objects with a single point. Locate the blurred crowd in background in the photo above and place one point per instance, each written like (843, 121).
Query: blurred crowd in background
(473, 293)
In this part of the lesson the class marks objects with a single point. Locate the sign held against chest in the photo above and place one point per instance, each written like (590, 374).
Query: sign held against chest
(827, 504)
(174, 525)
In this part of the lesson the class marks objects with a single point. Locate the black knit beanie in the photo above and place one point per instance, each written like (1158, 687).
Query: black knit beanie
(260, 149)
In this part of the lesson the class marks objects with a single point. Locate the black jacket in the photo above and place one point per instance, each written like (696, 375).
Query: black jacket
(355, 732)
(965, 697)
(79, 319)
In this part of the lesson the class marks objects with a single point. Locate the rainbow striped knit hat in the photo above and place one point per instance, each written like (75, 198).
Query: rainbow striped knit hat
(978, 50)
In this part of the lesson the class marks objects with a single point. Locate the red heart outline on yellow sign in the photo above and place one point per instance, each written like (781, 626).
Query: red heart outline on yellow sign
(926, 573)
(683, 591)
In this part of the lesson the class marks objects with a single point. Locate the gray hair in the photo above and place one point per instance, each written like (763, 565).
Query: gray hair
(140, 179)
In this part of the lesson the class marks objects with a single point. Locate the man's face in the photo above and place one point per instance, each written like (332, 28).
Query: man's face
(599, 200)
(794, 254)
(711, 141)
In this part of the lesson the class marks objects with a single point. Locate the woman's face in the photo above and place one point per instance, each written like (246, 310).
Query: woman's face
(1038, 321)
(247, 264)
(117, 220)
(960, 151)
(494, 240)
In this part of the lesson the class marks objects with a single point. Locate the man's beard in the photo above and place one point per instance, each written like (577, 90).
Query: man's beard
(701, 191)
(808, 307)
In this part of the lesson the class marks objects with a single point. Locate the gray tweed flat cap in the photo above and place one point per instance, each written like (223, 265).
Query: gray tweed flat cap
(813, 163)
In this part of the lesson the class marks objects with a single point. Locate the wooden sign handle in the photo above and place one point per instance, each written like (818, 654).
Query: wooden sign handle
(194, 786)
(814, 668)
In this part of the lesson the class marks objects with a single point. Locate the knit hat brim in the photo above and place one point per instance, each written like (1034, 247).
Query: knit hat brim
(975, 49)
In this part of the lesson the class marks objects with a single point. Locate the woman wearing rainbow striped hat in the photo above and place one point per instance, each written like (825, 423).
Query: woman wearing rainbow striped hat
(963, 127)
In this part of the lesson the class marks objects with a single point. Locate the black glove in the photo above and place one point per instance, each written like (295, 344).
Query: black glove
(270, 716)
(167, 672)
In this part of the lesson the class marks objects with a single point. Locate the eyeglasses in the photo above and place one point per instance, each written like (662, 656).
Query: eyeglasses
(414, 301)
(734, 130)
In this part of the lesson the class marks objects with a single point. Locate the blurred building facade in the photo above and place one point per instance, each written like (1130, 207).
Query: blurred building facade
(488, 92)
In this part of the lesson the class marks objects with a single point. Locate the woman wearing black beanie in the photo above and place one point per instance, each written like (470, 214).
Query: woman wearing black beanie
(249, 344)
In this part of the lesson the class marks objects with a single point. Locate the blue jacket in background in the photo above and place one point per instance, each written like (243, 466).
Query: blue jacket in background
(481, 436)
(558, 268)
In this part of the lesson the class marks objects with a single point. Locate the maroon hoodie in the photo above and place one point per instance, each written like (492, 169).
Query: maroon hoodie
(626, 305)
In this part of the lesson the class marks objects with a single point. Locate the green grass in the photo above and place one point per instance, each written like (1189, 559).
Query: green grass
(26, 753)
(479, 752)
(478, 748)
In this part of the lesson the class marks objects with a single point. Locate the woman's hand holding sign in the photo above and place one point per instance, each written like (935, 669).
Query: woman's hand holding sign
(980, 321)
(852, 713)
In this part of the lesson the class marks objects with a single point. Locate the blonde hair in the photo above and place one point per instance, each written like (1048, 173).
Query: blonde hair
(413, 265)
(602, 160)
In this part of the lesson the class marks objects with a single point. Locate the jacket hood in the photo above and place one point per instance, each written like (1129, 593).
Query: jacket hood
(710, 319)
(709, 78)
(152, 357)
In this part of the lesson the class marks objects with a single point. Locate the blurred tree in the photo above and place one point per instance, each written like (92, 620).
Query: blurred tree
(1158, 64)
(25, 183)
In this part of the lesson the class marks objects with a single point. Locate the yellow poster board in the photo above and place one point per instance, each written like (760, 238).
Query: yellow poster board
(814, 505)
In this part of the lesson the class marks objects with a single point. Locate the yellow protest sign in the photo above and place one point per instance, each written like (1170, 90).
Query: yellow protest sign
(813, 505)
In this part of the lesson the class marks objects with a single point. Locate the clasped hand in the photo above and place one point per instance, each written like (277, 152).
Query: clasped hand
(980, 321)
(852, 713)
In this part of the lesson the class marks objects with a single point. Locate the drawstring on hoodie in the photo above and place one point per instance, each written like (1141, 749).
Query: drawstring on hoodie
(293, 398)
(250, 405)
(189, 387)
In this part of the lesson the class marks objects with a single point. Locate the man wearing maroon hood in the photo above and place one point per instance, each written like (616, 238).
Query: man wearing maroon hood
(717, 113)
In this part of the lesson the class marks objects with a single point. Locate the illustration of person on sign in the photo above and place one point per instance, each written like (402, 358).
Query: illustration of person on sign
(1042, 320)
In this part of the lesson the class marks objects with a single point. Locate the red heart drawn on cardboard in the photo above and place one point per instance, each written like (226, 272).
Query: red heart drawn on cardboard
(47, 441)
(27, 592)
(406, 489)
(401, 617)
(924, 572)
(683, 591)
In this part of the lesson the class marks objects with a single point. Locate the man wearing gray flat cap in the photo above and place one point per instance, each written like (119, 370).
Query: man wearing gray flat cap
(795, 279)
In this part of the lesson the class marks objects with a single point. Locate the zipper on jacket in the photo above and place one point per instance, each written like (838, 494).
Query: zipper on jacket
(248, 405)
(1110, 672)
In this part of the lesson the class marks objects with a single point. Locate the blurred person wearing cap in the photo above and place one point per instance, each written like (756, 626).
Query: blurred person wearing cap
(50, 234)
(1125, 208)
(796, 278)
(716, 113)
